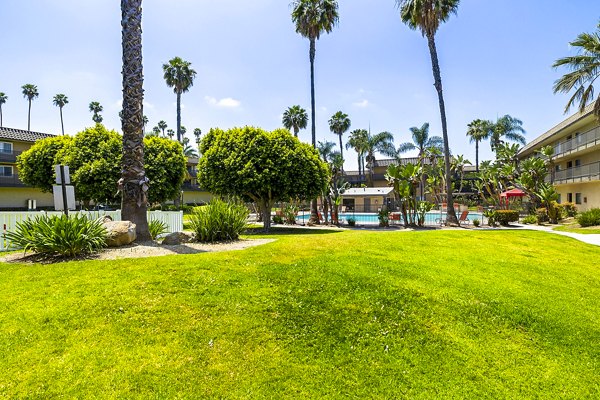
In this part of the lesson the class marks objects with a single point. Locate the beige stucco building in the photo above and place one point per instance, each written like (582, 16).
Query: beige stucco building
(576, 142)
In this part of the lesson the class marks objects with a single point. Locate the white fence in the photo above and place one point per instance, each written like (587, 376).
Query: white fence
(8, 220)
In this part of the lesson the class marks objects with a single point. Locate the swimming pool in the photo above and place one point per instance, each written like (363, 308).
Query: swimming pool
(372, 219)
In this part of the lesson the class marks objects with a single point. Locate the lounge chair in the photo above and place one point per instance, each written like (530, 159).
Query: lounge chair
(463, 220)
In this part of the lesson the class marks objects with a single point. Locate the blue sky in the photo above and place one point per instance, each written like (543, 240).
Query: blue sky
(495, 57)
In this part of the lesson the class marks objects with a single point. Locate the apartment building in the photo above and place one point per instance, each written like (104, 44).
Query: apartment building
(14, 194)
(576, 142)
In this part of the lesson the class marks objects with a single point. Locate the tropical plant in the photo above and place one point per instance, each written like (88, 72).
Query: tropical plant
(96, 109)
(383, 143)
(162, 125)
(476, 222)
(30, 92)
(529, 219)
(189, 151)
(290, 211)
(548, 195)
(405, 179)
(295, 118)
(459, 162)
(351, 221)
(60, 100)
(179, 75)
(339, 124)
(506, 127)
(66, 236)
(145, 121)
(358, 141)
(155, 131)
(585, 69)
(423, 143)
(197, 135)
(3, 99)
(312, 18)
(170, 133)
(219, 221)
(547, 152)
(589, 218)
(156, 228)
(259, 166)
(427, 15)
(477, 131)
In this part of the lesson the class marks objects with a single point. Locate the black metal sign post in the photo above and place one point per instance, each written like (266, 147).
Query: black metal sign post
(64, 189)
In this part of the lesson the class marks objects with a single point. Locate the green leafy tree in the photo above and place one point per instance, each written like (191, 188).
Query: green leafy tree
(339, 124)
(36, 165)
(260, 166)
(3, 99)
(96, 108)
(426, 16)
(295, 118)
(165, 166)
(312, 18)
(585, 70)
(179, 75)
(477, 131)
(30, 92)
(60, 100)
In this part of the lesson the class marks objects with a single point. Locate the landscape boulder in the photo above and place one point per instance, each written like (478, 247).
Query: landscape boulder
(176, 238)
(120, 233)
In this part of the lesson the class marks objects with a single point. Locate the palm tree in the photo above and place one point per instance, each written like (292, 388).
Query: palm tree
(422, 142)
(585, 69)
(170, 133)
(197, 134)
(133, 183)
(162, 125)
(477, 131)
(96, 108)
(295, 117)
(145, 122)
(3, 98)
(380, 143)
(189, 151)
(180, 77)
(427, 15)
(156, 131)
(339, 124)
(506, 127)
(60, 100)
(548, 153)
(358, 141)
(312, 18)
(30, 92)
(183, 131)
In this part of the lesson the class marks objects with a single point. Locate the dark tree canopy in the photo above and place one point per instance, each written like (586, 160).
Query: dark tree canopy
(264, 167)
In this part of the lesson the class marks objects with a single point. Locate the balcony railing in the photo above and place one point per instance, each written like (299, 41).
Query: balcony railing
(9, 157)
(579, 142)
(587, 172)
(11, 181)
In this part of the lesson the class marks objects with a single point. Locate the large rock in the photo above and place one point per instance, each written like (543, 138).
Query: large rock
(176, 238)
(120, 233)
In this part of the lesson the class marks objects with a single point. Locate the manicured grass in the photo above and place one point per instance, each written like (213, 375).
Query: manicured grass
(353, 314)
(576, 228)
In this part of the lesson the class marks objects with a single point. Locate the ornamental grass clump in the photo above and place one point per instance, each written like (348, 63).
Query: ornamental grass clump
(66, 236)
(589, 218)
(157, 228)
(219, 221)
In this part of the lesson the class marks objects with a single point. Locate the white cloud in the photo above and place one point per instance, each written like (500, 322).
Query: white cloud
(362, 104)
(226, 102)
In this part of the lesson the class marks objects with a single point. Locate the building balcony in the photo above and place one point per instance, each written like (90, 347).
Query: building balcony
(11, 181)
(9, 157)
(584, 141)
(583, 173)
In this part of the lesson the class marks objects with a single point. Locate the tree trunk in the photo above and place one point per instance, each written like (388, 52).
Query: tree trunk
(29, 116)
(0, 115)
(179, 117)
(450, 214)
(314, 213)
(266, 211)
(325, 209)
(342, 153)
(477, 156)
(133, 182)
(61, 122)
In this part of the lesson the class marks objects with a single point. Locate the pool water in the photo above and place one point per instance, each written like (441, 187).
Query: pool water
(371, 218)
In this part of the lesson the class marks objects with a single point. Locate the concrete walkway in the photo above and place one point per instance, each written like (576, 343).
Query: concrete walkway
(586, 238)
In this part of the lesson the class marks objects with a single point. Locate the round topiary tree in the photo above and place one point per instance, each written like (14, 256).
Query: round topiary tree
(260, 166)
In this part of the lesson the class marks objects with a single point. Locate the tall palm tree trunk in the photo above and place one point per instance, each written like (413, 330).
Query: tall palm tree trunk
(179, 117)
(133, 183)
(450, 214)
(62, 126)
(314, 213)
(477, 156)
(29, 116)
(0, 116)
(342, 153)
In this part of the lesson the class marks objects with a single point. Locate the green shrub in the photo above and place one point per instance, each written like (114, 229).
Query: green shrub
(530, 219)
(384, 217)
(491, 217)
(476, 222)
(277, 219)
(351, 221)
(541, 215)
(570, 209)
(66, 236)
(219, 221)
(589, 218)
(290, 211)
(157, 228)
(504, 217)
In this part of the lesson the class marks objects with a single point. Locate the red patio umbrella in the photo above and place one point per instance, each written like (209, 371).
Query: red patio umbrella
(512, 193)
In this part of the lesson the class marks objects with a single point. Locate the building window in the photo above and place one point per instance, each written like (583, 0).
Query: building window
(577, 198)
(6, 147)
(6, 171)
(577, 163)
(569, 164)
(569, 197)
(557, 168)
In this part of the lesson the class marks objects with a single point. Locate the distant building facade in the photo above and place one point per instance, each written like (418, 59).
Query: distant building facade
(576, 143)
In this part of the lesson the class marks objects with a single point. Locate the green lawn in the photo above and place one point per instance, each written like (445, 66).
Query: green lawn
(576, 228)
(353, 314)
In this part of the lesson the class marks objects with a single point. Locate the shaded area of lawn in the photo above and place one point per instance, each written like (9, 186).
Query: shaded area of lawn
(352, 314)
